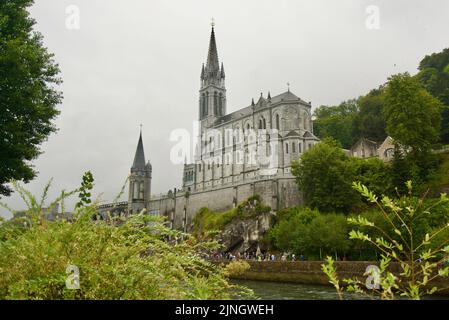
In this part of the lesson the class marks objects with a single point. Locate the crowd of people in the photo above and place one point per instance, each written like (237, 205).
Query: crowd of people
(262, 256)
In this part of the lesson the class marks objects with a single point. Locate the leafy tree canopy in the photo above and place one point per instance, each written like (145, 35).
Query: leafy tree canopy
(28, 98)
(413, 115)
(324, 177)
(336, 122)
(369, 122)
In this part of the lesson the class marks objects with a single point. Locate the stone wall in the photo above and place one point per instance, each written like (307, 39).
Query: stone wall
(181, 206)
(309, 272)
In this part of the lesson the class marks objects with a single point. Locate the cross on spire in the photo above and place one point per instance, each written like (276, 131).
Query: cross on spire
(212, 22)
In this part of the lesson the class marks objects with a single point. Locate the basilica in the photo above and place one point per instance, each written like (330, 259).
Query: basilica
(238, 154)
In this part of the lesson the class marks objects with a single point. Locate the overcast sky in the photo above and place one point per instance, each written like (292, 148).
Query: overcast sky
(137, 62)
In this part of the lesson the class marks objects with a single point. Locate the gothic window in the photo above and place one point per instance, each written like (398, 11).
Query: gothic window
(220, 105)
(277, 122)
(260, 124)
(293, 147)
(264, 123)
(141, 191)
(215, 103)
(305, 121)
(203, 105)
(206, 105)
(299, 148)
(286, 147)
(135, 186)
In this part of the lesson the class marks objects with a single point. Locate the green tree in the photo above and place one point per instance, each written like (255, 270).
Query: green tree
(413, 119)
(412, 114)
(369, 122)
(325, 178)
(374, 173)
(28, 98)
(336, 122)
(434, 75)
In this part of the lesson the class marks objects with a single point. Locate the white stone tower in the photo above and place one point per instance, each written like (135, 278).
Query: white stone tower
(212, 101)
(139, 181)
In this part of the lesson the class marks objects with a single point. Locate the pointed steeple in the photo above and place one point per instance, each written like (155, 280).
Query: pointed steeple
(202, 72)
(269, 96)
(139, 158)
(222, 73)
(212, 64)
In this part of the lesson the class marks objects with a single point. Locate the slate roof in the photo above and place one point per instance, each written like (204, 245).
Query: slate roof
(287, 96)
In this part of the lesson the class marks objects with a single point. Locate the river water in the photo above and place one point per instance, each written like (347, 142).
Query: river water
(293, 291)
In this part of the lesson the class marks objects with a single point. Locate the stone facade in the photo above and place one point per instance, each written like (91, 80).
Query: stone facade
(365, 148)
(240, 154)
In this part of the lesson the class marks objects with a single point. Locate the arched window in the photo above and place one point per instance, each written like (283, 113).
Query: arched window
(141, 189)
(206, 105)
(135, 190)
(215, 103)
(203, 105)
(264, 123)
(299, 148)
(220, 105)
(293, 147)
(286, 147)
(260, 124)
(277, 122)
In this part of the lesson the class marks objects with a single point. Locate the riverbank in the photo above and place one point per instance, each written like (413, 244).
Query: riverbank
(310, 273)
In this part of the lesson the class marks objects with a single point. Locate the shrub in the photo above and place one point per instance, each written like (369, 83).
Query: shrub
(421, 257)
(117, 258)
(236, 268)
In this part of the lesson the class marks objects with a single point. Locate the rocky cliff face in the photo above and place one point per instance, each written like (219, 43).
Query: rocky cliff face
(245, 235)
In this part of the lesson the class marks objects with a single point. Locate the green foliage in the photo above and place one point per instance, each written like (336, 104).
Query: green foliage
(28, 98)
(440, 180)
(434, 76)
(369, 122)
(325, 179)
(208, 222)
(118, 258)
(374, 173)
(236, 268)
(336, 122)
(413, 120)
(413, 116)
(87, 185)
(325, 174)
(305, 231)
(419, 253)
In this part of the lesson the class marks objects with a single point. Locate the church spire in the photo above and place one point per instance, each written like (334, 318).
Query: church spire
(139, 157)
(212, 64)
(212, 102)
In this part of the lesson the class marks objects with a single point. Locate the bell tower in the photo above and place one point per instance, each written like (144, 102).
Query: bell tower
(139, 181)
(212, 100)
